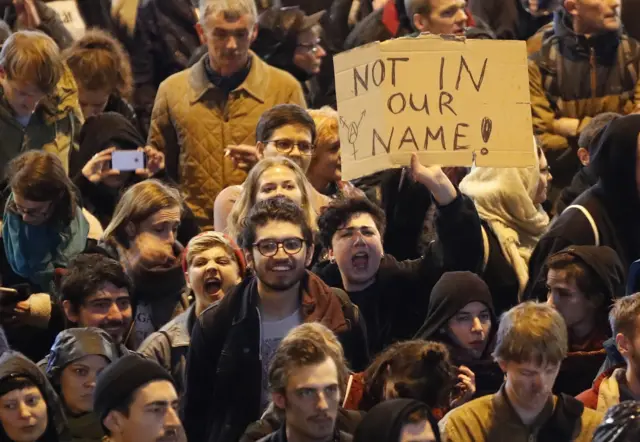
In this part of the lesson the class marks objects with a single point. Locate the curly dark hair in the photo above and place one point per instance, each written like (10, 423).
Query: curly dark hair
(341, 210)
(419, 369)
(88, 272)
(278, 208)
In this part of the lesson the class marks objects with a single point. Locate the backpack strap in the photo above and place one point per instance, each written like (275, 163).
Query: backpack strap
(630, 60)
(350, 310)
(586, 213)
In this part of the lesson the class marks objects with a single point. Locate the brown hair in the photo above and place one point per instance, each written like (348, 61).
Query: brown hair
(317, 332)
(578, 272)
(99, 62)
(624, 315)
(296, 353)
(531, 332)
(138, 203)
(32, 57)
(40, 176)
(420, 370)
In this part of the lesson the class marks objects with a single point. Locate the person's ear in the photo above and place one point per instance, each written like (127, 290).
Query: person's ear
(114, 422)
(331, 255)
(503, 366)
(571, 6)
(419, 23)
(260, 146)
(254, 34)
(187, 279)
(248, 256)
(309, 257)
(201, 34)
(279, 400)
(583, 155)
(623, 345)
(69, 312)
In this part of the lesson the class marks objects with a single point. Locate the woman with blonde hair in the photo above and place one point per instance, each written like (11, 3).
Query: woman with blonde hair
(509, 202)
(268, 178)
(142, 236)
(325, 170)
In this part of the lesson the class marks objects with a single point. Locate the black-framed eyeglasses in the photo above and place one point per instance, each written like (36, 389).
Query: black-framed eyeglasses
(310, 47)
(269, 247)
(285, 146)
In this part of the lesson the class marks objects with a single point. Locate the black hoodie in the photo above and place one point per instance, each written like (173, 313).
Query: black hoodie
(384, 422)
(450, 294)
(71, 345)
(12, 364)
(613, 203)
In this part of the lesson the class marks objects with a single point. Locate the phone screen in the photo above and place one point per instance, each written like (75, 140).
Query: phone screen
(127, 160)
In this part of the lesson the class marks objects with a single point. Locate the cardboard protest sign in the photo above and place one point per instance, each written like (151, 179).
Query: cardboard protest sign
(446, 98)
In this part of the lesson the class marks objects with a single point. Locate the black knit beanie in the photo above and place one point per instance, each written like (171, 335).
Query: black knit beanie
(121, 379)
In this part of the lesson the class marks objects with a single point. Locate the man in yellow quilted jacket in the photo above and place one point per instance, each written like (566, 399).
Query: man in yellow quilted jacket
(215, 104)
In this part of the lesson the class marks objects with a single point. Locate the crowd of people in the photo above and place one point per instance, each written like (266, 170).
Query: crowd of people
(182, 260)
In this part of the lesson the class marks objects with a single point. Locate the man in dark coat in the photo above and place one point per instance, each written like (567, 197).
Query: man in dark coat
(234, 340)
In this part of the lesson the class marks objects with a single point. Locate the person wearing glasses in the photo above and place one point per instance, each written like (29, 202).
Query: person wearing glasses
(216, 103)
(290, 40)
(234, 340)
(286, 130)
(394, 295)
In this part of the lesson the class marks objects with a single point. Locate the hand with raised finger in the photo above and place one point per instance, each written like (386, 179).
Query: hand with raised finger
(99, 166)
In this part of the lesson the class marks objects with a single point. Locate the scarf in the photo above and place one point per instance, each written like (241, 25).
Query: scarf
(35, 251)
(504, 200)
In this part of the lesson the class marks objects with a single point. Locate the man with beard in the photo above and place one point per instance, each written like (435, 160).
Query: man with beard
(95, 292)
(394, 295)
(531, 343)
(233, 341)
(136, 401)
(305, 382)
(621, 382)
(216, 103)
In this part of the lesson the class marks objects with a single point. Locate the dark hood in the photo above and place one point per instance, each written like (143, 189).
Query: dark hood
(99, 133)
(605, 45)
(383, 422)
(160, 281)
(451, 293)
(75, 343)
(13, 363)
(604, 262)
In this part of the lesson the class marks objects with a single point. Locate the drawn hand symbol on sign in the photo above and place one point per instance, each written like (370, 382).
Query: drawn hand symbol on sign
(353, 130)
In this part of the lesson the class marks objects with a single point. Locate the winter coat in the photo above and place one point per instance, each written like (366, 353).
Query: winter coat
(507, 19)
(613, 204)
(395, 305)
(194, 121)
(224, 370)
(121, 106)
(606, 390)
(580, 183)
(492, 418)
(165, 37)
(53, 127)
(384, 422)
(13, 363)
(607, 66)
(51, 24)
(169, 346)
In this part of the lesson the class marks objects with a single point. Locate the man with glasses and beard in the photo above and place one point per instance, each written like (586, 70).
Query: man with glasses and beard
(233, 342)
(621, 382)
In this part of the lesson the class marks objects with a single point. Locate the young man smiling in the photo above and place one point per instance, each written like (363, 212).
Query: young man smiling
(531, 343)
(233, 342)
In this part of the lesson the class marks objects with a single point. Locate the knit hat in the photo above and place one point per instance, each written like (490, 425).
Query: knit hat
(121, 379)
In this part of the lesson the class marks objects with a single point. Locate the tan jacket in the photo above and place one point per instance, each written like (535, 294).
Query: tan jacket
(492, 419)
(193, 122)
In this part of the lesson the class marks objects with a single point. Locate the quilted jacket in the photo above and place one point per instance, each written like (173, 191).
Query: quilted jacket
(193, 122)
(54, 126)
(578, 77)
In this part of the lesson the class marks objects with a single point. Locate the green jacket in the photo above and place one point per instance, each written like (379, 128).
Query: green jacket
(54, 126)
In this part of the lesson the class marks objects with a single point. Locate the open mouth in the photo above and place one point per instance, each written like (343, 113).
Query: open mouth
(360, 260)
(212, 285)
(282, 268)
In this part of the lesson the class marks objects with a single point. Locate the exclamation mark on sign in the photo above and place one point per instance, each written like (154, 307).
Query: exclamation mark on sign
(485, 129)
